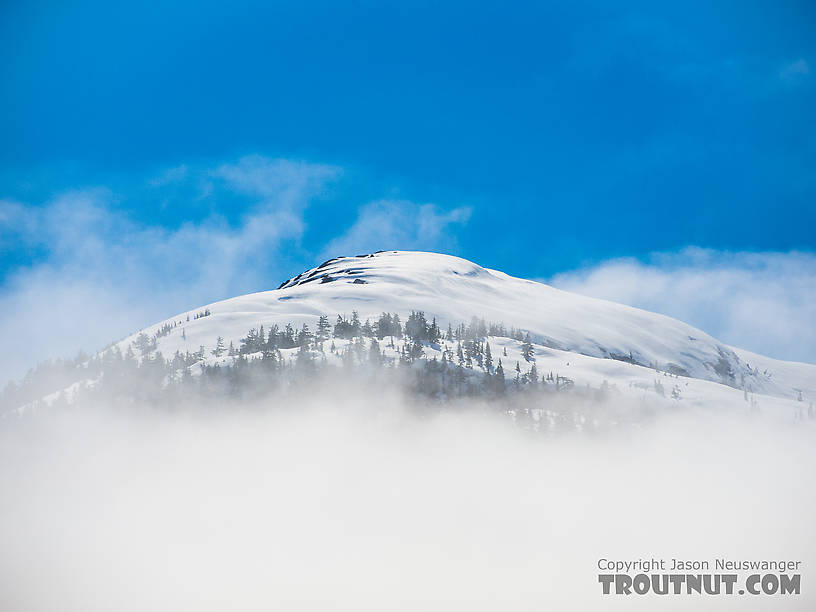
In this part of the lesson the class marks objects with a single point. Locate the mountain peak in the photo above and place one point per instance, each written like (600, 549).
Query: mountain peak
(362, 269)
(454, 291)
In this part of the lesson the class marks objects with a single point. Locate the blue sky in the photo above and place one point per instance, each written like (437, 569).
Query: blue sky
(535, 138)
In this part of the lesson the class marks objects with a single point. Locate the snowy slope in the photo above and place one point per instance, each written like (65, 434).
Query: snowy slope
(454, 290)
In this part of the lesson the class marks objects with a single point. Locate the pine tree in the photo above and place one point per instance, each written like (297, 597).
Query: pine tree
(416, 351)
(499, 377)
(288, 337)
(323, 328)
(416, 327)
(356, 326)
(527, 349)
(304, 337)
(219, 347)
(434, 333)
(143, 343)
(532, 375)
(273, 338)
(340, 327)
(488, 358)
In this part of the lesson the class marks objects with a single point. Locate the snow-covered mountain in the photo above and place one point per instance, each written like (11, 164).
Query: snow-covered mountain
(588, 339)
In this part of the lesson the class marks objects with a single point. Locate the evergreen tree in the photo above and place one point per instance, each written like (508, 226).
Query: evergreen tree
(499, 378)
(304, 337)
(527, 349)
(416, 327)
(219, 347)
(250, 343)
(287, 339)
(345, 329)
(144, 344)
(323, 328)
(415, 350)
(356, 326)
(532, 375)
(387, 325)
(434, 333)
(273, 339)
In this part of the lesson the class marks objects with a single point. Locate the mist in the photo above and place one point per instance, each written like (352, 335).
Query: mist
(761, 301)
(345, 499)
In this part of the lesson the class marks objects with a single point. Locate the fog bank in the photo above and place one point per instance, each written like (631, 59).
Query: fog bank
(356, 503)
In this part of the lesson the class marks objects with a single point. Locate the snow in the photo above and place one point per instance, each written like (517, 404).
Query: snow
(565, 327)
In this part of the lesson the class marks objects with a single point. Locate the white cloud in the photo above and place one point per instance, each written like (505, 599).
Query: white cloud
(104, 275)
(796, 70)
(764, 302)
(284, 180)
(350, 503)
(399, 224)
(170, 176)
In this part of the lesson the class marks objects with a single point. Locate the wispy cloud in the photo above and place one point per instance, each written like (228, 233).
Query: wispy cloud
(794, 71)
(764, 302)
(288, 182)
(102, 274)
(171, 175)
(400, 224)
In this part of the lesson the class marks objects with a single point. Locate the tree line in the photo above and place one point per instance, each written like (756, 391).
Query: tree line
(466, 367)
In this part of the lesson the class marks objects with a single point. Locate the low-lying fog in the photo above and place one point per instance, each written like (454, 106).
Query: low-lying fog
(352, 502)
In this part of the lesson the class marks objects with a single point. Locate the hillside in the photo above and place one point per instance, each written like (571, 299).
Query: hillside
(570, 339)
(455, 290)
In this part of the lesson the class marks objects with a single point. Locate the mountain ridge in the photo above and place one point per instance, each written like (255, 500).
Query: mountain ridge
(453, 290)
(439, 315)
